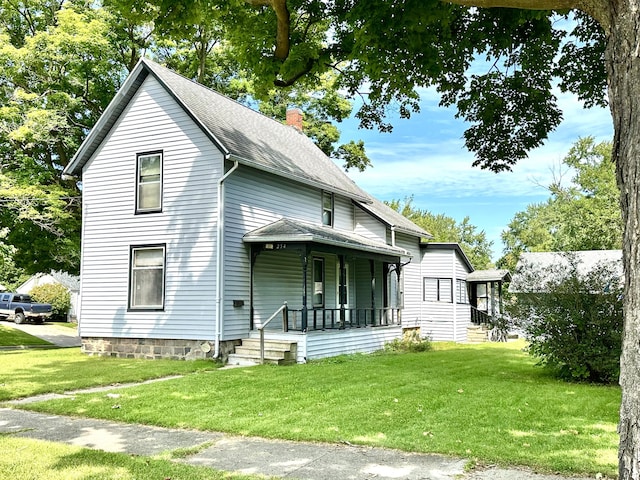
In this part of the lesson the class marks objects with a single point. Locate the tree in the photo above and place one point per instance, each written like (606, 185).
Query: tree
(583, 215)
(393, 47)
(446, 229)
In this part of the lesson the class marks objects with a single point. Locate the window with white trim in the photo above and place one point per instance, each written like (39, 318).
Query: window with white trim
(147, 276)
(327, 209)
(438, 290)
(149, 182)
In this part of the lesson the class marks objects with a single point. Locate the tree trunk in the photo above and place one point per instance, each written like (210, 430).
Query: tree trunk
(623, 65)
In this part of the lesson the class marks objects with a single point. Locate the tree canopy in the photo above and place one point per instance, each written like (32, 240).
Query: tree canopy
(446, 229)
(581, 215)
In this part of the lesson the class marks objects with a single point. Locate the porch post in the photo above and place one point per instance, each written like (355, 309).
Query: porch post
(342, 290)
(254, 256)
(400, 293)
(372, 268)
(305, 263)
(493, 299)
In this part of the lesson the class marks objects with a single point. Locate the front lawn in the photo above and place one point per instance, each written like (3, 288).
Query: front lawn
(33, 372)
(11, 337)
(485, 402)
(28, 459)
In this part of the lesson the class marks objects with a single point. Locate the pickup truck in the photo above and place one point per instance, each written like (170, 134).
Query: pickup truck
(20, 308)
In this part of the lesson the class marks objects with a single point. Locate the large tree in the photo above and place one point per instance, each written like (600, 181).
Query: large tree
(583, 214)
(390, 47)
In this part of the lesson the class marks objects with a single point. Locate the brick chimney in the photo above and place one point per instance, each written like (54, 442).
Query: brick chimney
(294, 118)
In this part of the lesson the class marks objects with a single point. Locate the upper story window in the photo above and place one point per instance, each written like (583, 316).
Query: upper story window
(149, 182)
(327, 209)
(146, 278)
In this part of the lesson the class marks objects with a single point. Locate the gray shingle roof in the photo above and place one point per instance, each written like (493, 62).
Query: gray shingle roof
(287, 230)
(392, 218)
(586, 261)
(493, 275)
(240, 132)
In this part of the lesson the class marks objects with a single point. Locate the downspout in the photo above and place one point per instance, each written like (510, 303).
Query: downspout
(220, 256)
(454, 286)
(393, 235)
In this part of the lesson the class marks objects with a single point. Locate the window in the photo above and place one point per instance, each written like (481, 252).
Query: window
(327, 209)
(147, 277)
(318, 282)
(461, 292)
(149, 183)
(438, 290)
(342, 282)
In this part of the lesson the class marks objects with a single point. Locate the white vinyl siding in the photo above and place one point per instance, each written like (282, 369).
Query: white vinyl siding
(444, 319)
(368, 226)
(153, 121)
(411, 280)
(254, 199)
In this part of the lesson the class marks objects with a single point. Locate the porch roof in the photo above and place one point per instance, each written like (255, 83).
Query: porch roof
(287, 230)
(489, 276)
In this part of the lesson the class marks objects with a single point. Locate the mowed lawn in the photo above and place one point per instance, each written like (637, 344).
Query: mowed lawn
(12, 337)
(489, 403)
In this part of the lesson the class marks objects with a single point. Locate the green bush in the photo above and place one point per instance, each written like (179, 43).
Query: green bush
(411, 341)
(55, 294)
(572, 318)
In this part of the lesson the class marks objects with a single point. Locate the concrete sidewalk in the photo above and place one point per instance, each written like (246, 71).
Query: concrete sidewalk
(295, 460)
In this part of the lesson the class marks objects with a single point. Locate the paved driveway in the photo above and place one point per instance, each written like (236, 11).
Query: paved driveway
(60, 335)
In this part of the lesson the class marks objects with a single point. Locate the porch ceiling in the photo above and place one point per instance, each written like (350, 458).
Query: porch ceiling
(294, 231)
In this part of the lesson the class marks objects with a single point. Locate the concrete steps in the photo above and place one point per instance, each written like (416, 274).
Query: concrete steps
(275, 352)
(477, 333)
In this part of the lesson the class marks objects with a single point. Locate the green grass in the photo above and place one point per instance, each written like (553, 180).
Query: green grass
(488, 403)
(56, 461)
(33, 372)
(11, 337)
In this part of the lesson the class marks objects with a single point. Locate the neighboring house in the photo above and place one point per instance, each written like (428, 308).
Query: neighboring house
(70, 282)
(445, 310)
(202, 218)
(559, 262)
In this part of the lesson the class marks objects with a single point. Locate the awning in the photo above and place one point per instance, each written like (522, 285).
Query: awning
(294, 231)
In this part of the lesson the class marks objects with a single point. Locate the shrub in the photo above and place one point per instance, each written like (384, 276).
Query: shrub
(572, 318)
(55, 294)
(411, 341)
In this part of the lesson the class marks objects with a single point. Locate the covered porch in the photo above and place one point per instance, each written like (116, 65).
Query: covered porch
(485, 294)
(323, 284)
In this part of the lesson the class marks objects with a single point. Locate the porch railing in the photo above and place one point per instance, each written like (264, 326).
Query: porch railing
(478, 317)
(283, 309)
(340, 318)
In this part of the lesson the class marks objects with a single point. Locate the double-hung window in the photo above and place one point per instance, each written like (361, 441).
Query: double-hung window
(149, 182)
(438, 290)
(147, 277)
(327, 209)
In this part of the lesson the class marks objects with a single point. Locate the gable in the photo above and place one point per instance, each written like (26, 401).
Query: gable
(242, 134)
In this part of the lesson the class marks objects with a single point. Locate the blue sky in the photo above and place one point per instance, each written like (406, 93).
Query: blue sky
(425, 157)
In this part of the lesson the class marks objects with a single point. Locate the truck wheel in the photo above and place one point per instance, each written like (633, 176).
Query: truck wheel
(19, 318)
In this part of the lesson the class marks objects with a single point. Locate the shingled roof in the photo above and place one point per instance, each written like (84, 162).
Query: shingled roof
(242, 134)
(286, 230)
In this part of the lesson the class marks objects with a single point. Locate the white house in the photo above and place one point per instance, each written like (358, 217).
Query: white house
(205, 222)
